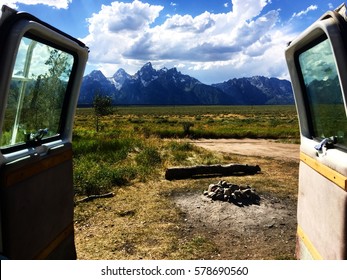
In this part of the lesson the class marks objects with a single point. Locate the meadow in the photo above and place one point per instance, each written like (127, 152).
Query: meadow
(138, 142)
(272, 122)
(128, 157)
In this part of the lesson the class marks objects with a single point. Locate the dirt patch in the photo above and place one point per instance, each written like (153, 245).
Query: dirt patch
(265, 231)
(251, 147)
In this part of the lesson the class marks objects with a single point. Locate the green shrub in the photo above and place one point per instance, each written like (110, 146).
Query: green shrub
(92, 177)
(180, 146)
(148, 157)
(179, 156)
(186, 127)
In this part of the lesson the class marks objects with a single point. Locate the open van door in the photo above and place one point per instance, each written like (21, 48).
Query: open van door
(41, 70)
(317, 62)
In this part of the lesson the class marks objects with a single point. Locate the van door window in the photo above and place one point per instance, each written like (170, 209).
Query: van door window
(37, 91)
(324, 96)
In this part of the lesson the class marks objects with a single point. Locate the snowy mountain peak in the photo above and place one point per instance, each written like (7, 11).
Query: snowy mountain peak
(147, 74)
(170, 86)
(148, 65)
(97, 75)
(119, 78)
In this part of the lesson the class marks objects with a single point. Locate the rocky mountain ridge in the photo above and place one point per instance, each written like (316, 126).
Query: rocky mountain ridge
(149, 86)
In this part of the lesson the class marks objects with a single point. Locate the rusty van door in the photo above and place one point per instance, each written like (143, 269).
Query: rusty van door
(317, 62)
(41, 72)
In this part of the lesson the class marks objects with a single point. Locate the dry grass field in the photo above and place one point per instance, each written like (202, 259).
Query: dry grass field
(149, 217)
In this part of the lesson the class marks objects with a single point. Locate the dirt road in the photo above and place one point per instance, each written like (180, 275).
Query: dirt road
(251, 147)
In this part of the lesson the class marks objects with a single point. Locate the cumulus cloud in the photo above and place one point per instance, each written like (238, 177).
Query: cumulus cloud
(59, 4)
(187, 23)
(242, 42)
(305, 12)
(248, 9)
(119, 27)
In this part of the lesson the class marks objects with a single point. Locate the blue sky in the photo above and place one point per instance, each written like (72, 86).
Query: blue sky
(211, 40)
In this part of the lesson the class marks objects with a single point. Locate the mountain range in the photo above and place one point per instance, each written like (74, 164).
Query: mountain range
(170, 87)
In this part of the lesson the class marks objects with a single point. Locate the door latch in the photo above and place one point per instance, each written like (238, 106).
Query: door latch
(326, 142)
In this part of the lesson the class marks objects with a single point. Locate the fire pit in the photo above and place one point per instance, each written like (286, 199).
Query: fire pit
(239, 195)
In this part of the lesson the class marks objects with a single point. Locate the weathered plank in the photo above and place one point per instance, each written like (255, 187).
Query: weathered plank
(178, 173)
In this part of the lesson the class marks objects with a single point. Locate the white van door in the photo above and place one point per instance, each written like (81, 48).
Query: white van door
(317, 62)
(41, 72)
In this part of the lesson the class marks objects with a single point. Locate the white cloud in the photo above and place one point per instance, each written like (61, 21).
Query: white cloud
(242, 42)
(248, 9)
(305, 12)
(117, 28)
(59, 4)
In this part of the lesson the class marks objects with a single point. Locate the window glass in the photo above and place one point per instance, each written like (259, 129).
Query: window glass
(37, 92)
(324, 94)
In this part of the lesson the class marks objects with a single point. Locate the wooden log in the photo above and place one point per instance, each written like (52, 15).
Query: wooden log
(178, 173)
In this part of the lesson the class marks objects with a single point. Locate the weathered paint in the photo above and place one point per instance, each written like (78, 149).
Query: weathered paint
(339, 179)
(305, 248)
(322, 214)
